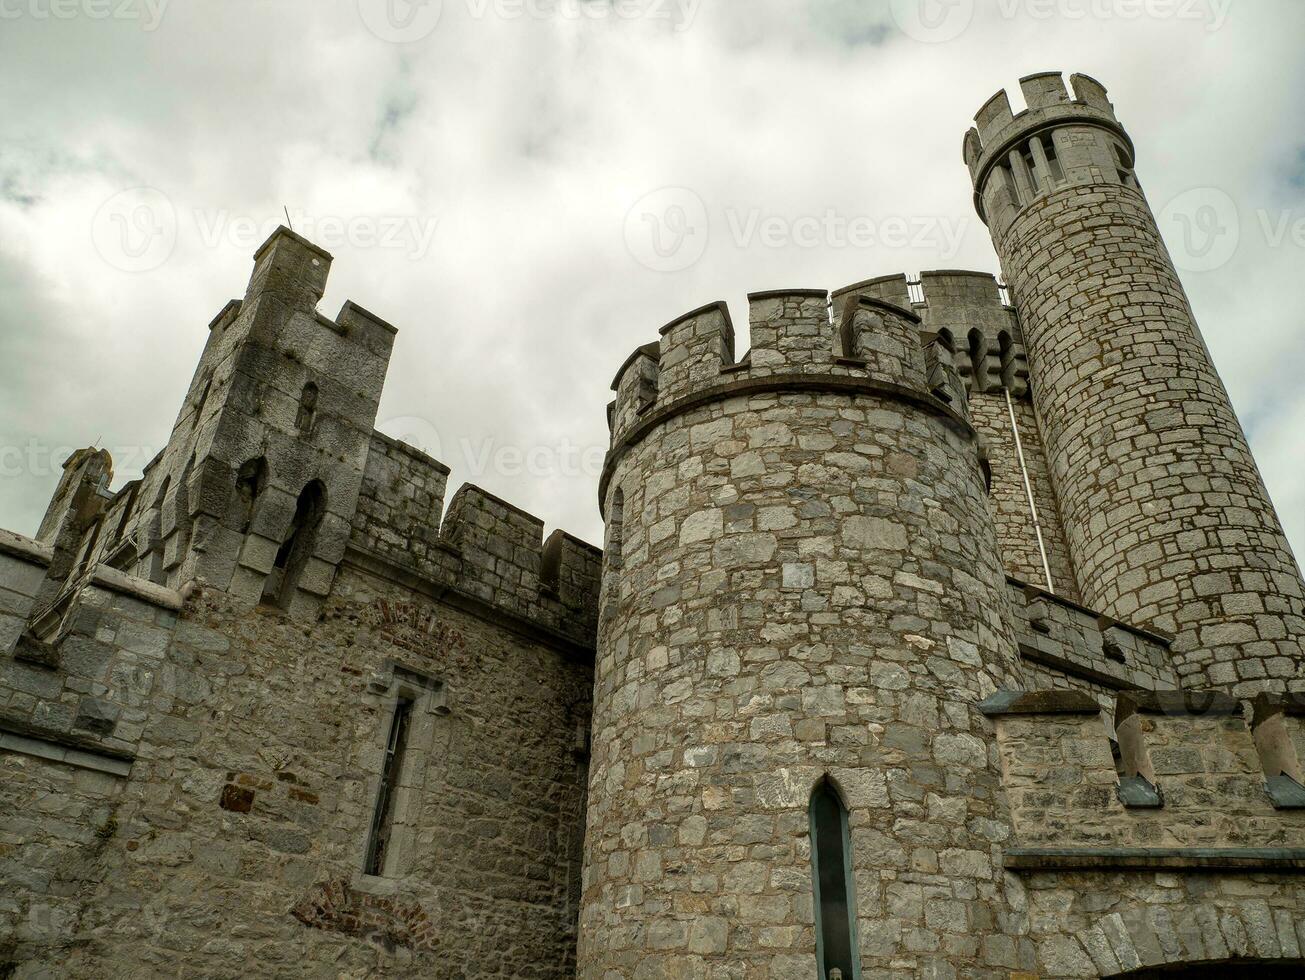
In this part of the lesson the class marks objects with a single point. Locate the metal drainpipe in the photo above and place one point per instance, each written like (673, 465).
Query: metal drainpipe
(1028, 490)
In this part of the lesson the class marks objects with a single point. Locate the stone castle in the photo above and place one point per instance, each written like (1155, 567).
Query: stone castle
(948, 632)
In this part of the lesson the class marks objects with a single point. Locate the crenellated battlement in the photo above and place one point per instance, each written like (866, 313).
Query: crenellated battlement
(800, 340)
(967, 313)
(1048, 105)
(1187, 773)
(1076, 642)
(485, 549)
(1057, 142)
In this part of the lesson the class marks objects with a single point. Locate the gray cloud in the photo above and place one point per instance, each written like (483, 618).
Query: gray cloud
(508, 148)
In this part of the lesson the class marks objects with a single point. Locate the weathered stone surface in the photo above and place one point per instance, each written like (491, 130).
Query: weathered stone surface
(265, 710)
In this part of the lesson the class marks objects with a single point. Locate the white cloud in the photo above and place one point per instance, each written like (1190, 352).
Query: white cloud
(524, 141)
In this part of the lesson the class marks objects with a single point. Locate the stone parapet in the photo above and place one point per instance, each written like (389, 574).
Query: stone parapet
(1195, 750)
(484, 548)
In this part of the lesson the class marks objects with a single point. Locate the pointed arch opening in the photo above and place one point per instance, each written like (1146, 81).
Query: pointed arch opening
(292, 557)
(831, 874)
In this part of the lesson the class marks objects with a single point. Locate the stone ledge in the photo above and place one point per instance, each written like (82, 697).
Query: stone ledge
(138, 588)
(1038, 703)
(1248, 859)
(1074, 669)
(24, 548)
(1104, 621)
(1177, 703)
(72, 750)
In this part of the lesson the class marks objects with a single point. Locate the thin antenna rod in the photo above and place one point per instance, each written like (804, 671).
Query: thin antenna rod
(288, 223)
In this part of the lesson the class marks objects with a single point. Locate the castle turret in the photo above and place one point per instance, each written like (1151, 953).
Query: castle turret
(802, 607)
(257, 487)
(1168, 523)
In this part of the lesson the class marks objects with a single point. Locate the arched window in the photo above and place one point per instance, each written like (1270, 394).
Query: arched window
(307, 409)
(831, 872)
(297, 548)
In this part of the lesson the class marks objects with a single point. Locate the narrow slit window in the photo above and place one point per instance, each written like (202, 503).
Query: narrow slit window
(307, 409)
(831, 860)
(978, 354)
(1124, 167)
(383, 816)
(1053, 161)
(616, 529)
(1012, 185)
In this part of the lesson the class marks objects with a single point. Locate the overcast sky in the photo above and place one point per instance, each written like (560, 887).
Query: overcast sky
(528, 190)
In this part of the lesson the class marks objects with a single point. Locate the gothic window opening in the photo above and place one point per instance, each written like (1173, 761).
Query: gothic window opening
(297, 548)
(835, 901)
(307, 409)
(383, 817)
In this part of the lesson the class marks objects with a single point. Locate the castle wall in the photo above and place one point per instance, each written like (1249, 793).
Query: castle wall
(487, 551)
(193, 775)
(968, 306)
(1008, 497)
(805, 582)
(238, 838)
(1167, 521)
(1206, 870)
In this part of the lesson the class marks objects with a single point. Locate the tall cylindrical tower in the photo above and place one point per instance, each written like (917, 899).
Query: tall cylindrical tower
(802, 603)
(1168, 522)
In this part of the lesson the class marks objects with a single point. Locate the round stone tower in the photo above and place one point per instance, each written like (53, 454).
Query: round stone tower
(802, 604)
(1168, 523)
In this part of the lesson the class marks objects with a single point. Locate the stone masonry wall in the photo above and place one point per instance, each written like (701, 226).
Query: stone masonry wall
(968, 306)
(1111, 889)
(1168, 523)
(1167, 519)
(808, 584)
(237, 841)
(485, 549)
(1009, 500)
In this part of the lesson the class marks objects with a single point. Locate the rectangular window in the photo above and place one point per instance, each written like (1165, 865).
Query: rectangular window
(383, 818)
